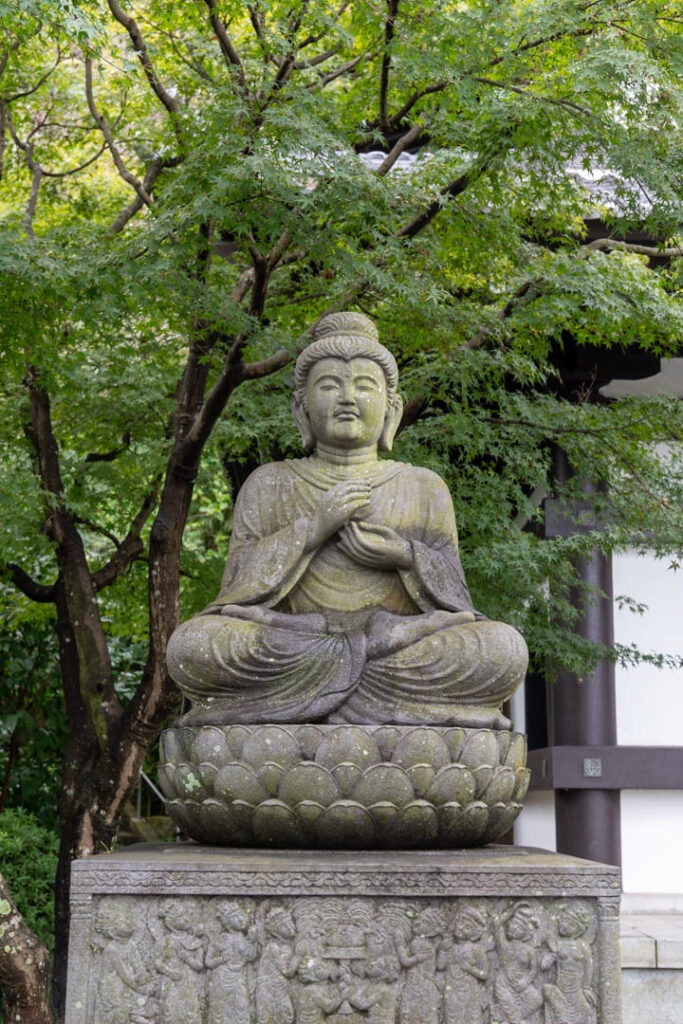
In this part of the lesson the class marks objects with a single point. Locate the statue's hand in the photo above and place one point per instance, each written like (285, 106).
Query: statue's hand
(377, 547)
(336, 508)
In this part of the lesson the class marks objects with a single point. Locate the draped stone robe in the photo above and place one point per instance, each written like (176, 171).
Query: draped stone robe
(285, 641)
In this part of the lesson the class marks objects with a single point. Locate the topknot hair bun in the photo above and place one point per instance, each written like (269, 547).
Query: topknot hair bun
(346, 324)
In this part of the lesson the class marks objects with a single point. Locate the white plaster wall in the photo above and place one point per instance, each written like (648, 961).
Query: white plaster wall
(536, 824)
(651, 842)
(650, 713)
(649, 700)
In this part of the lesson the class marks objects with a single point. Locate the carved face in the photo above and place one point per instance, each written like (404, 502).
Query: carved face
(466, 928)
(346, 402)
(519, 926)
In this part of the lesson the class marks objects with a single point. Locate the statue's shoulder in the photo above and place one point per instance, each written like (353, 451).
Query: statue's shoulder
(271, 474)
(422, 477)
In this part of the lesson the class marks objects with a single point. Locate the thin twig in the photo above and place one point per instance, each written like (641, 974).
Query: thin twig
(398, 117)
(526, 293)
(342, 70)
(320, 58)
(309, 40)
(41, 81)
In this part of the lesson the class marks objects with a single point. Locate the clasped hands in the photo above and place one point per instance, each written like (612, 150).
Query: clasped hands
(368, 544)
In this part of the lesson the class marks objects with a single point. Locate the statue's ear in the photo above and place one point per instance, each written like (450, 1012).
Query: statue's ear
(302, 421)
(391, 422)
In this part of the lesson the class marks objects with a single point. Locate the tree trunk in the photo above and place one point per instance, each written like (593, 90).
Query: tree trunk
(24, 968)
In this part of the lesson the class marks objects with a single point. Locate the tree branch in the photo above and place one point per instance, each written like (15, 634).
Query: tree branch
(3, 135)
(411, 412)
(396, 119)
(94, 682)
(228, 50)
(450, 191)
(526, 293)
(509, 87)
(41, 81)
(260, 283)
(25, 968)
(320, 58)
(27, 585)
(257, 24)
(601, 244)
(142, 53)
(193, 63)
(153, 171)
(458, 185)
(130, 547)
(102, 123)
(110, 456)
(264, 367)
(6, 52)
(27, 149)
(33, 198)
(242, 286)
(309, 40)
(344, 69)
(389, 27)
(398, 148)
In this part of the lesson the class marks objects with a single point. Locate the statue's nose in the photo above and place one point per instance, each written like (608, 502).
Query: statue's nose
(347, 395)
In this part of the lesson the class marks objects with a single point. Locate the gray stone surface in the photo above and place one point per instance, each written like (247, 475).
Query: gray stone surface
(652, 996)
(181, 934)
(343, 786)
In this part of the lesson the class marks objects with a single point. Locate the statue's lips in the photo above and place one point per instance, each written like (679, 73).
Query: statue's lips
(347, 414)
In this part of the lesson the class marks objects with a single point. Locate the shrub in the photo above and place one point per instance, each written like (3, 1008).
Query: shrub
(28, 860)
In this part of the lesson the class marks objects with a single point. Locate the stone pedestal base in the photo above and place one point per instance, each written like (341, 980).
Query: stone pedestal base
(183, 934)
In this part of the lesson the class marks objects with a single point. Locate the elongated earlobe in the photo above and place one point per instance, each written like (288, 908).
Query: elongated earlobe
(302, 421)
(391, 422)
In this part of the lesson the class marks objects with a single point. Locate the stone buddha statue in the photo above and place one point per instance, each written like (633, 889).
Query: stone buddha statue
(343, 598)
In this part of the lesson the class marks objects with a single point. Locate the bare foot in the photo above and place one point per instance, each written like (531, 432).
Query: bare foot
(306, 623)
(387, 632)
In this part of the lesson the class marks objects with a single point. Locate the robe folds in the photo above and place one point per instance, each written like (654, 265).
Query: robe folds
(287, 638)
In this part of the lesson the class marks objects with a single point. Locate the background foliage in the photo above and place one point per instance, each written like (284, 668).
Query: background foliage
(182, 194)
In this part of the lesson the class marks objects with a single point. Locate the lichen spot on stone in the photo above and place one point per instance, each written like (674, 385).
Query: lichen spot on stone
(5, 908)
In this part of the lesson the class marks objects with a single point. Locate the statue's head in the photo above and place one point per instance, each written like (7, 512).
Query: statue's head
(346, 348)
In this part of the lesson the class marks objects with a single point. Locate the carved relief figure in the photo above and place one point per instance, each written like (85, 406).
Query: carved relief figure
(571, 999)
(278, 963)
(227, 957)
(124, 987)
(382, 970)
(516, 989)
(421, 999)
(343, 598)
(465, 963)
(181, 962)
(319, 993)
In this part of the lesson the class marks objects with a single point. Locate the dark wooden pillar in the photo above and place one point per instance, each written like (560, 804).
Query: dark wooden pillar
(582, 712)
